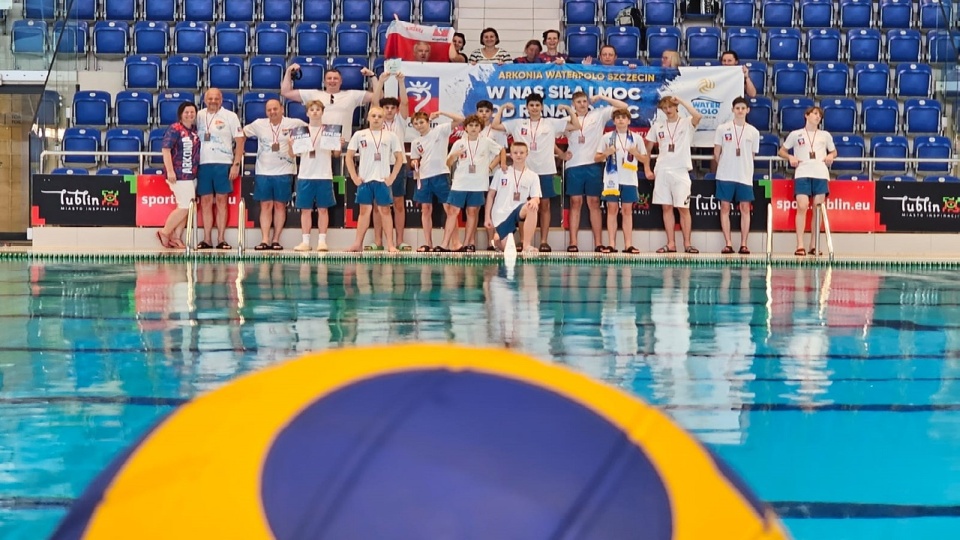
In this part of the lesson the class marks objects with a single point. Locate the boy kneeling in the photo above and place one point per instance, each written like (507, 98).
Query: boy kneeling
(513, 200)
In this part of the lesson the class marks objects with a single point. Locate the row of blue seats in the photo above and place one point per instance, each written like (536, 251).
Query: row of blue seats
(925, 14)
(425, 11)
(782, 44)
(918, 117)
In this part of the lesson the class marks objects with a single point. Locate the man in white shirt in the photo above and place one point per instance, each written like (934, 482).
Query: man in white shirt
(540, 135)
(673, 136)
(273, 182)
(339, 104)
(221, 160)
(374, 146)
(735, 145)
(813, 153)
(428, 154)
(513, 198)
(582, 175)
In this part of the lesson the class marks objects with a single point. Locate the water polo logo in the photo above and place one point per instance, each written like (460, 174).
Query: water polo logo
(705, 86)
(423, 94)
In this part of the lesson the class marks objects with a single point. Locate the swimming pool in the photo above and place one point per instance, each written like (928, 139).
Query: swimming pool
(834, 392)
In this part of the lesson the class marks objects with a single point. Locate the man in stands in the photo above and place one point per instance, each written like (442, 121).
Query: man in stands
(221, 160)
(607, 57)
(339, 104)
(421, 52)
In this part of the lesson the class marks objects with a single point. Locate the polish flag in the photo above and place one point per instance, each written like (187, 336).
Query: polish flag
(402, 36)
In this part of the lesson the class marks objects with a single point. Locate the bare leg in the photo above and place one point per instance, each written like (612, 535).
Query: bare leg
(266, 220)
(803, 203)
(626, 215)
(388, 228)
(473, 217)
(725, 222)
(426, 219)
(363, 223)
(529, 226)
(596, 219)
(613, 209)
(744, 223)
(323, 220)
(377, 225)
(222, 205)
(206, 212)
(669, 226)
(306, 221)
(544, 220)
(576, 204)
(279, 219)
(450, 228)
(686, 225)
(399, 218)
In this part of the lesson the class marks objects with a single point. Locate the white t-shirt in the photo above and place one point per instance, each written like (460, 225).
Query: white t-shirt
(272, 162)
(338, 109)
(398, 127)
(367, 144)
(680, 135)
(479, 153)
(731, 167)
(500, 137)
(802, 142)
(507, 184)
(318, 167)
(223, 127)
(591, 129)
(540, 136)
(431, 150)
(625, 142)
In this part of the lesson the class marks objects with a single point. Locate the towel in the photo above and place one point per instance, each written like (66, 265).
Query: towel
(613, 168)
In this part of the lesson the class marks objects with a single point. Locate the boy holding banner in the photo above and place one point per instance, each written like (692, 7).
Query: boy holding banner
(621, 152)
(735, 144)
(315, 178)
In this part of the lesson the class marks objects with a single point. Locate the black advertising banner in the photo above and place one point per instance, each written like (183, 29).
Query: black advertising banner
(337, 212)
(918, 207)
(84, 201)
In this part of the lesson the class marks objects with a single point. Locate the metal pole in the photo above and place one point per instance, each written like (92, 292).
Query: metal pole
(191, 223)
(815, 229)
(241, 226)
(826, 227)
(769, 231)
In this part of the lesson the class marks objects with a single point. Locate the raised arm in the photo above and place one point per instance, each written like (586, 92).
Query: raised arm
(377, 93)
(695, 115)
(615, 103)
(572, 121)
(498, 118)
(404, 99)
(454, 117)
(286, 85)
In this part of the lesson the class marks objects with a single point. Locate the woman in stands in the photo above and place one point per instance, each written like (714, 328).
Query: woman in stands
(531, 53)
(670, 59)
(456, 48)
(551, 40)
(490, 53)
(181, 159)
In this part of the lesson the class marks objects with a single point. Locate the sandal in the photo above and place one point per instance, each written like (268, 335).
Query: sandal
(691, 249)
(744, 250)
(470, 248)
(440, 249)
(800, 252)
(164, 240)
(276, 246)
(607, 249)
(631, 250)
(262, 246)
(599, 249)
(727, 250)
(405, 247)
(424, 248)
(545, 248)
(573, 249)
(814, 252)
(667, 249)
(223, 245)
(204, 245)
(372, 247)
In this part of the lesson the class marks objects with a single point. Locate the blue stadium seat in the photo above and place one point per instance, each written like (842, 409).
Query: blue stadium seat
(849, 146)
(942, 179)
(30, 38)
(871, 79)
(313, 39)
(110, 38)
(378, 65)
(824, 45)
(150, 37)
(863, 45)
(142, 72)
(880, 115)
(91, 108)
(626, 40)
(839, 115)
(200, 10)
(68, 170)
(155, 144)
(937, 147)
(255, 105)
(74, 36)
(277, 11)
(831, 79)
(790, 79)
(48, 111)
(250, 147)
(738, 13)
(313, 68)
(790, 112)
(353, 39)
(231, 38)
(580, 11)
(46, 10)
(167, 105)
(856, 14)
(265, 72)
(295, 109)
(240, 11)
(120, 10)
(123, 140)
(663, 38)
(350, 71)
(769, 146)
(225, 72)
(761, 113)
(854, 177)
(612, 8)
(660, 12)
(745, 42)
(583, 40)
(922, 116)
(436, 11)
(184, 73)
(132, 108)
(896, 178)
(889, 146)
(321, 11)
(80, 139)
(778, 13)
(758, 74)
(402, 9)
(115, 171)
(191, 37)
(942, 46)
(903, 46)
(816, 13)
(895, 13)
(82, 10)
(357, 10)
(382, 37)
(914, 80)
(783, 44)
(272, 38)
(160, 10)
(703, 42)
(627, 62)
(934, 14)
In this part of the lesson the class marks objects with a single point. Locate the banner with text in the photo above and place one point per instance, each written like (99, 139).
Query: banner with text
(155, 201)
(94, 200)
(850, 206)
(918, 207)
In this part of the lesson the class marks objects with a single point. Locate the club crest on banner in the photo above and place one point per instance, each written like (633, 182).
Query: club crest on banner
(423, 94)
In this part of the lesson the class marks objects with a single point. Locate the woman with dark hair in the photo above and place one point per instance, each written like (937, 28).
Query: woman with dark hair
(456, 48)
(531, 53)
(181, 159)
(489, 53)
(551, 40)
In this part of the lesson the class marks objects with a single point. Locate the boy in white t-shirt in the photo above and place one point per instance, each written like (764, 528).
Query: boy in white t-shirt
(673, 136)
(273, 180)
(735, 145)
(395, 121)
(813, 153)
(374, 145)
(486, 113)
(475, 156)
(513, 199)
(315, 182)
(428, 154)
(621, 152)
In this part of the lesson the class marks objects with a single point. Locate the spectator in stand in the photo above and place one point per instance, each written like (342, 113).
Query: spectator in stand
(181, 161)
(551, 40)
(531, 53)
(607, 57)
(490, 52)
(730, 58)
(421, 52)
(670, 59)
(456, 48)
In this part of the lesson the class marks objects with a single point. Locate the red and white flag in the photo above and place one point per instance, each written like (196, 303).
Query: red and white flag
(402, 36)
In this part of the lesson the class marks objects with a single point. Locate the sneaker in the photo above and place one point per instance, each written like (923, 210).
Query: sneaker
(322, 247)
(303, 246)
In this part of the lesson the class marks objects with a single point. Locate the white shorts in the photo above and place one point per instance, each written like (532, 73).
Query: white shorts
(184, 191)
(672, 187)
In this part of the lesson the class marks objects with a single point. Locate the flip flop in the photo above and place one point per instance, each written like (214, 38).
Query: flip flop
(223, 245)
(276, 246)
(727, 250)
(470, 248)
(262, 246)
(691, 249)
(631, 250)
(800, 252)
(545, 248)
(667, 249)
(405, 247)
(814, 252)
(599, 249)
(439, 249)
(573, 249)
(424, 248)
(372, 247)
(744, 250)
(204, 245)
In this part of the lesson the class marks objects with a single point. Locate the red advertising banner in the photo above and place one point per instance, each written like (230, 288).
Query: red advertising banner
(155, 201)
(850, 206)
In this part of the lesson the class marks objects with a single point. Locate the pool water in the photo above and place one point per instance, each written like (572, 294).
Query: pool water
(833, 392)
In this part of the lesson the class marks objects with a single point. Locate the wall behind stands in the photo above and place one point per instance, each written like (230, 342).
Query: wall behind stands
(516, 22)
(16, 116)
